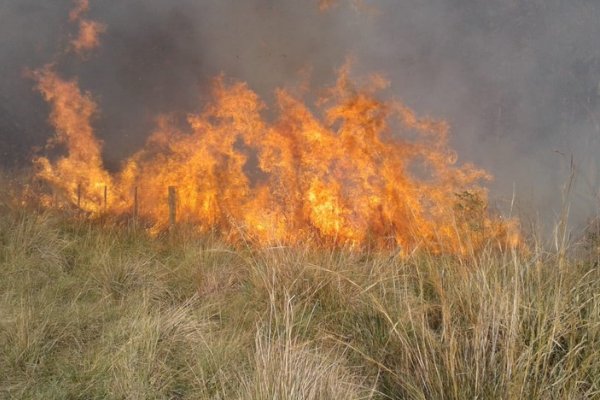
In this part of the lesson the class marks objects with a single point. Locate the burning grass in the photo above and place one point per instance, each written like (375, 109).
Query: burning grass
(93, 311)
(353, 169)
(361, 170)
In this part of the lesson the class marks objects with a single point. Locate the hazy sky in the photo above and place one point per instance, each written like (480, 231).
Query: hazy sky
(519, 81)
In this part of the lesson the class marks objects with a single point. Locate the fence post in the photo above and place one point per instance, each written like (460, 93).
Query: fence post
(54, 198)
(105, 198)
(172, 206)
(135, 205)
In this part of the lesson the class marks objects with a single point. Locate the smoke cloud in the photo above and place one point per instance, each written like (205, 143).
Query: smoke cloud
(518, 81)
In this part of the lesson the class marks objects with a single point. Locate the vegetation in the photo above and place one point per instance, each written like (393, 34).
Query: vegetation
(96, 311)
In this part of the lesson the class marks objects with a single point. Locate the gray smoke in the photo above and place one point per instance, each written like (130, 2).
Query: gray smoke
(518, 80)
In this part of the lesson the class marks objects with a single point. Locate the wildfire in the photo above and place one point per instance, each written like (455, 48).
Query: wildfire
(326, 4)
(369, 171)
(88, 37)
(81, 7)
(72, 112)
(359, 171)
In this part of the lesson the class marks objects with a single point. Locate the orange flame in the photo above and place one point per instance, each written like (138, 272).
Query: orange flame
(325, 5)
(368, 172)
(88, 37)
(81, 7)
(72, 112)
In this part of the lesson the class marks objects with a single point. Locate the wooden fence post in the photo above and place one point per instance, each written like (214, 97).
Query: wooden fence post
(172, 206)
(135, 204)
(105, 198)
(54, 198)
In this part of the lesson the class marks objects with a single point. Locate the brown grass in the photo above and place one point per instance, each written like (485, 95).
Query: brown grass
(91, 311)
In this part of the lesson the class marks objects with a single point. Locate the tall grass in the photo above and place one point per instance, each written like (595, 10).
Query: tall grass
(90, 311)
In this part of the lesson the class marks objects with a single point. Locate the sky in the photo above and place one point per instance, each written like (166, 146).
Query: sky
(517, 80)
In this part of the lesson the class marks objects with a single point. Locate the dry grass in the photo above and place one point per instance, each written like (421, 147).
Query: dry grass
(89, 311)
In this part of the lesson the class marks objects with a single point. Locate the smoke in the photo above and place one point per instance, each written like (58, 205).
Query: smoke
(518, 81)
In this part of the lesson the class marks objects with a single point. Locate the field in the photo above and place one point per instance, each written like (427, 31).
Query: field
(90, 310)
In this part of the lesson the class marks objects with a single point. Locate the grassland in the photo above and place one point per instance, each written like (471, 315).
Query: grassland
(92, 311)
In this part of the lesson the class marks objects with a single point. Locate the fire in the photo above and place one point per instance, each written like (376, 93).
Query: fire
(81, 7)
(367, 171)
(72, 113)
(88, 37)
(359, 171)
(326, 4)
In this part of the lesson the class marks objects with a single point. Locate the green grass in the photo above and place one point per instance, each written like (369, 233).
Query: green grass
(90, 311)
